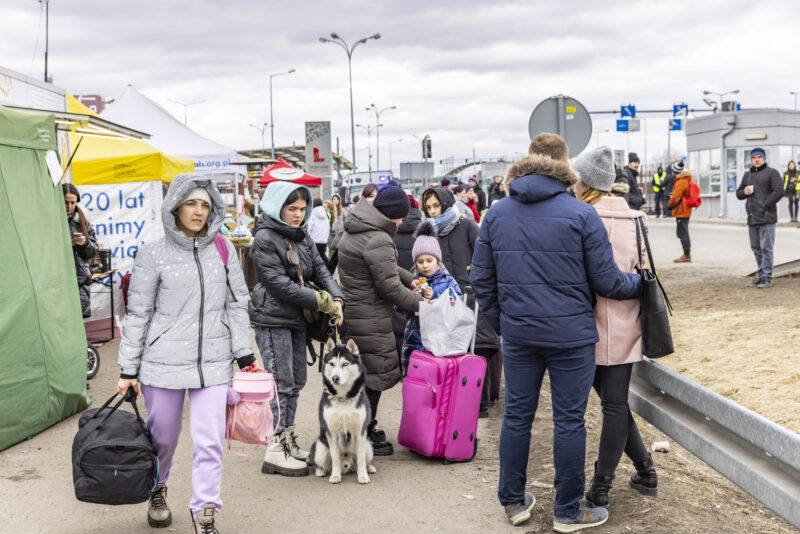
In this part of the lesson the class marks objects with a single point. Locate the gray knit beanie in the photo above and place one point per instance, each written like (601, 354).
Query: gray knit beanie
(426, 241)
(596, 168)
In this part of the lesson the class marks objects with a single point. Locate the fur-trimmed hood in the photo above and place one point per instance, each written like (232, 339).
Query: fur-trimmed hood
(543, 165)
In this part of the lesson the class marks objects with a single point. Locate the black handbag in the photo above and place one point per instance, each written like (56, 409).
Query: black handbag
(656, 308)
(318, 326)
(113, 460)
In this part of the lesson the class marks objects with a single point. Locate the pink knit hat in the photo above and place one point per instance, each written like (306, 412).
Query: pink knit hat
(427, 241)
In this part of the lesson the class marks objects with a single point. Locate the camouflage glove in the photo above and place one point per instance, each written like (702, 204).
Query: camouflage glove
(325, 303)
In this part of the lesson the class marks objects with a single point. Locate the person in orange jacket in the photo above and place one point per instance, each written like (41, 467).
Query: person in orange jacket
(682, 212)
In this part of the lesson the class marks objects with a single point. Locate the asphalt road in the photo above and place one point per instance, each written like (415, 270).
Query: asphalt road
(718, 247)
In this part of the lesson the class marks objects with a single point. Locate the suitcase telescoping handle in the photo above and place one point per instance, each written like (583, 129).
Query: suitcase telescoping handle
(475, 332)
(129, 396)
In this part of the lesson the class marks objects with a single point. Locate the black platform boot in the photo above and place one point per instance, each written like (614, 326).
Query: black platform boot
(597, 496)
(644, 480)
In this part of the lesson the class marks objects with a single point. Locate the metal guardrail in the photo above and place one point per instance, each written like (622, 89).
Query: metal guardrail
(759, 456)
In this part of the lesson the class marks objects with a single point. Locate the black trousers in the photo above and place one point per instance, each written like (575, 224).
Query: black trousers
(793, 203)
(374, 397)
(620, 433)
(683, 234)
(659, 203)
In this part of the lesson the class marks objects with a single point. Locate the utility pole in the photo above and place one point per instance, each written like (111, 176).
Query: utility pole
(46, 34)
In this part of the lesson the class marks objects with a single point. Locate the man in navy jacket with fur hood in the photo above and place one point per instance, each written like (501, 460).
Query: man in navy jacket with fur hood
(540, 257)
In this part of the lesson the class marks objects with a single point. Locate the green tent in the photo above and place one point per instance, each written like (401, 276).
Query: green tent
(42, 339)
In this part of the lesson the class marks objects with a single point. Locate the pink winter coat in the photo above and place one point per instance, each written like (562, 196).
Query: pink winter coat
(618, 322)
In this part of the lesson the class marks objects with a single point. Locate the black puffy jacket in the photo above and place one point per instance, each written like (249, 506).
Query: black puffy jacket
(404, 238)
(762, 205)
(278, 299)
(457, 248)
(635, 197)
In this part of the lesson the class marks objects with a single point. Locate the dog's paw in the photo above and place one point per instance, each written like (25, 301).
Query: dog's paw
(363, 479)
(335, 479)
(371, 469)
(319, 472)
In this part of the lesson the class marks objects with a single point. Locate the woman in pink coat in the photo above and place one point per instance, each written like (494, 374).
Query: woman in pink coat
(620, 330)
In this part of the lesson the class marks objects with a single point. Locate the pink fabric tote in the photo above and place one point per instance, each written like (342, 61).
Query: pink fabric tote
(248, 414)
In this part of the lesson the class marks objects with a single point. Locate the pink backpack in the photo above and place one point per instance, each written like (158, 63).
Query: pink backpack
(248, 417)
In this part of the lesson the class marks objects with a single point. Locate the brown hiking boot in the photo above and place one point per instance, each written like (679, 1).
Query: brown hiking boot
(158, 513)
(685, 258)
(204, 522)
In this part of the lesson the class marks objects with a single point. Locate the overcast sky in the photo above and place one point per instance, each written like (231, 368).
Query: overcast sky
(467, 73)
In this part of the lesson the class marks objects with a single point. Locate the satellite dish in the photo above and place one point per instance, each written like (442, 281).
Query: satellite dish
(565, 116)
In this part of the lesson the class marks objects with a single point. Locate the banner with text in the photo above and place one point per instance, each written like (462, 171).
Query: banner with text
(318, 149)
(124, 216)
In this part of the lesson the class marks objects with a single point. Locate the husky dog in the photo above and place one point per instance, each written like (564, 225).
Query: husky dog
(344, 415)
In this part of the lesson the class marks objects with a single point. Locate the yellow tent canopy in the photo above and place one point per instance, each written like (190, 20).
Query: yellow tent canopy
(103, 160)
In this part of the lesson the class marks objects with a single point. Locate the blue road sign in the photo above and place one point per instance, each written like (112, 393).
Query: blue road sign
(622, 125)
(627, 111)
(680, 109)
(675, 124)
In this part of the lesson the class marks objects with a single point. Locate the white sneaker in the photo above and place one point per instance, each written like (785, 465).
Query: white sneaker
(294, 448)
(279, 460)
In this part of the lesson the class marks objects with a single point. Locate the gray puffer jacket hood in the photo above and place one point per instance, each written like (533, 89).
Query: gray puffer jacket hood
(187, 320)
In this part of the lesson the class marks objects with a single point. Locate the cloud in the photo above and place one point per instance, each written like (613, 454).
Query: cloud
(468, 73)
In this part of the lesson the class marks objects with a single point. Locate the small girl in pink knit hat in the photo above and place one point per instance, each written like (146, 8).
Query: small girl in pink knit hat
(434, 281)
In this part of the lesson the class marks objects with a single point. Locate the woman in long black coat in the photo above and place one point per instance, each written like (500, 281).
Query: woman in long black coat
(457, 236)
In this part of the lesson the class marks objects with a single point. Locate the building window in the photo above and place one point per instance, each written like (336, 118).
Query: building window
(730, 169)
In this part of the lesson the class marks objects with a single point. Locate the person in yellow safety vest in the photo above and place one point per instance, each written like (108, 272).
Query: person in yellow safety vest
(658, 188)
(790, 180)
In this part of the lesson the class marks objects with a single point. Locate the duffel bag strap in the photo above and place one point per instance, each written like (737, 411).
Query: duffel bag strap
(130, 396)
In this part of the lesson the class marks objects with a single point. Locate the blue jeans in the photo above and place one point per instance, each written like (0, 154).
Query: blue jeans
(283, 352)
(571, 374)
(762, 243)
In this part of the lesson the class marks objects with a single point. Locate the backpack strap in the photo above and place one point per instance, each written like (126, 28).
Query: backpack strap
(222, 248)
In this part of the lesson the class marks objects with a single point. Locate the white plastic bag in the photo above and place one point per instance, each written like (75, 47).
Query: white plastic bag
(447, 325)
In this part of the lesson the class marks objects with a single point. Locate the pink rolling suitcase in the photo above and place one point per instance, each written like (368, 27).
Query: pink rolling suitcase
(441, 401)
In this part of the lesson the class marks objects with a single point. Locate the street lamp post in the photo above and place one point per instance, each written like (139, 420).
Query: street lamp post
(373, 107)
(390, 143)
(369, 130)
(795, 93)
(261, 129)
(721, 95)
(185, 107)
(271, 119)
(349, 49)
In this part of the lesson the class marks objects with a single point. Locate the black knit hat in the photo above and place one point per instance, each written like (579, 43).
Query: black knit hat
(392, 202)
(632, 157)
(677, 167)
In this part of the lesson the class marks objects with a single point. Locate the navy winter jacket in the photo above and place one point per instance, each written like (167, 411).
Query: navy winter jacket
(541, 255)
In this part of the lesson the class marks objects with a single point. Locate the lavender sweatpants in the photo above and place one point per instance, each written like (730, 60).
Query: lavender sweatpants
(207, 427)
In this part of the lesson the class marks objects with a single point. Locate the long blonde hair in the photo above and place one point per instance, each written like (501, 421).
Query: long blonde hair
(592, 196)
(328, 205)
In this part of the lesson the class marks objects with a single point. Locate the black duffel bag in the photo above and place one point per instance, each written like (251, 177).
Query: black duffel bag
(113, 461)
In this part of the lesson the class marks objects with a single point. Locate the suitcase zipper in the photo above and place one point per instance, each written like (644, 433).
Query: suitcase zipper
(424, 383)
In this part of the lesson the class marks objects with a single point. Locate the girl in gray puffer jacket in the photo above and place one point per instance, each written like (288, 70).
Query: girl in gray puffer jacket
(186, 324)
